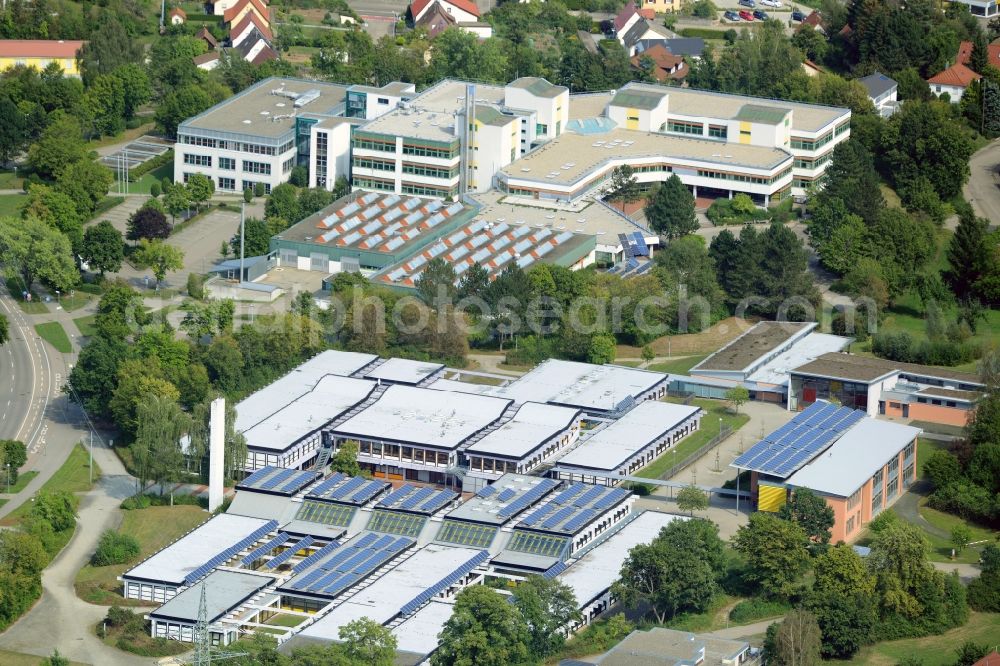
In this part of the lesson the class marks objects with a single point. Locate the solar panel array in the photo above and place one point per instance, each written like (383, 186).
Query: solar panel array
(316, 557)
(326, 513)
(466, 534)
(415, 499)
(258, 553)
(278, 480)
(528, 498)
(348, 490)
(538, 544)
(288, 553)
(348, 565)
(800, 440)
(228, 553)
(555, 570)
(437, 588)
(394, 522)
(573, 508)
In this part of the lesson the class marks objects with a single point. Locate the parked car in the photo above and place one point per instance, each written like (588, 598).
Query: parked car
(748, 3)
(798, 16)
(732, 16)
(771, 3)
(760, 14)
(745, 15)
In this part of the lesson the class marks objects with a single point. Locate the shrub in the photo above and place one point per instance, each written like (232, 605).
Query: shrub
(123, 618)
(752, 610)
(738, 210)
(115, 548)
(196, 286)
(135, 502)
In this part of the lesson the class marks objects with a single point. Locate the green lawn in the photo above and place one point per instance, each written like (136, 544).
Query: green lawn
(925, 447)
(714, 410)
(106, 204)
(141, 186)
(933, 650)
(54, 334)
(941, 548)
(86, 325)
(35, 306)
(9, 182)
(73, 477)
(8, 658)
(11, 204)
(23, 479)
(154, 528)
(282, 620)
(75, 301)
(678, 366)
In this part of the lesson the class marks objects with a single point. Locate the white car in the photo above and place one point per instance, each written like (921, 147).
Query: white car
(771, 3)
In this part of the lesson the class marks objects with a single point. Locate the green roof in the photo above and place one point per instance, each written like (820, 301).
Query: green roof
(638, 99)
(487, 115)
(536, 86)
(755, 113)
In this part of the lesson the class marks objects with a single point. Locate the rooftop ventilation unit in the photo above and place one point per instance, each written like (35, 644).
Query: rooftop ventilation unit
(306, 97)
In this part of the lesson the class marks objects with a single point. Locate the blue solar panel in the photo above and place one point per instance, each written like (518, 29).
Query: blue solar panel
(351, 486)
(555, 570)
(506, 495)
(315, 557)
(589, 496)
(438, 501)
(258, 553)
(610, 498)
(557, 517)
(641, 248)
(230, 552)
(539, 513)
(527, 499)
(256, 476)
(297, 481)
(416, 498)
(486, 491)
(569, 493)
(323, 487)
(579, 520)
(396, 495)
(288, 554)
(368, 491)
(413, 605)
(280, 477)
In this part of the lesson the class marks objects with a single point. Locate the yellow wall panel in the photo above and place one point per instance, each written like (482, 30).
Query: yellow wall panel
(771, 498)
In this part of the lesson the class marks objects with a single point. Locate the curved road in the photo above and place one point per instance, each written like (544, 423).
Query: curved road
(983, 188)
(26, 373)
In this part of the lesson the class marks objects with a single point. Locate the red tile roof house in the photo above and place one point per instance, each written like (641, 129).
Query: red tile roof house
(992, 659)
(463, 11)
(177, 16)
(992, 54)
(246, 26)
(39, 53)
(626, 18)
(953, 81)
(666, 65)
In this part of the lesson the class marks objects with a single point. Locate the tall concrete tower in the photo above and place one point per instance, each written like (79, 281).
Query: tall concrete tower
(216, 453)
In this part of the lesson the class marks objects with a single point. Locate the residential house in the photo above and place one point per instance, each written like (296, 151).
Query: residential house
(643, 30)
(626, 18)
(662, 6)
(208, 60)
(882, 91)
(815, 20)
(206, 36)
(953, 81)
(235, 14)
(251, 27)
(992, 53)
(436, 19)
(463, 11)
(177, 16)
(661, 64)
(40, 53)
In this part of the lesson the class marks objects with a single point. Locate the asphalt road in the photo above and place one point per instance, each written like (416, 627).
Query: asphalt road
(25, 387)
(983, 188)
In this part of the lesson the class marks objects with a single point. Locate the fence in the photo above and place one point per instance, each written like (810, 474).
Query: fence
(724, 432)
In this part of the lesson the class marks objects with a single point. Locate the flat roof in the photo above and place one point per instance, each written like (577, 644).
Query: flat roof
(376, 222)
(430, 115)
(173, 563)
(384, 598)
(404, 371)
(589, 218)
(353, 490)
(573, 508)
(278, 480)
(533, 425)
(760, 340)
(342, 567)
(855, 457)
(417, 499)
(951, 394)
(420, 416)
(670, 647)
(611, 447)
(492, 245)
(505, 498)
(329, 398)
(805, 349)
(224, 591)
(601, 565)
(268, 109)
(852, 367)
(571, 158)
(588, 105)
(712, 104)
(582, 385)
(538, 86)
(791, 446)
(418, 634)
(259, 405)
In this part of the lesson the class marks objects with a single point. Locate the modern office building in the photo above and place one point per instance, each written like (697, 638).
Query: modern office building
(858, 464)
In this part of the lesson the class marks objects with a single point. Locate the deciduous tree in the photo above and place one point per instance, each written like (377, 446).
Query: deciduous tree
(32, 250)
(810, 512)
(483, 630)
(795, 642)
(160, 424)
(737, 397)
(159, 257)
(775, 553)
(692, 498)
(547, 606)
(368, 642)
(103, 248)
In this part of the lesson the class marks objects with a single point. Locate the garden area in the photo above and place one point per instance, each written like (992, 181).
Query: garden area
(939, 650)
(128, 631)
(152, 529)
(742, 210)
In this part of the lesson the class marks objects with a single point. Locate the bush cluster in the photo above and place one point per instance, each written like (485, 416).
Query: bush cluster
(902, 347)
(115, 548)
(738, 210)
(752, 610)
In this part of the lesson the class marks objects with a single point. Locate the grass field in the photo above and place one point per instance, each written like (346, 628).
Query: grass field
(73, 477)
(282, 620)
(710, 425)
(933, 650)
(8, 181)
(54, 334)
(11, 204)
(8, 658)
(705, 342)
(35, 306)
(86, 325)
(941, 548)
(23, 480)
(679, 366)
(154, 528)
(75, 301)
(141, 186)
(925, 448)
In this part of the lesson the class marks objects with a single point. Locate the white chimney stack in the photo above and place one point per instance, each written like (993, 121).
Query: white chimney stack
(216, 453)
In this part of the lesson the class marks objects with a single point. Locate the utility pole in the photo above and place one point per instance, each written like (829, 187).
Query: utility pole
(242, 224)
